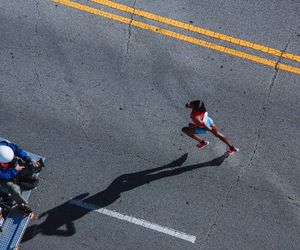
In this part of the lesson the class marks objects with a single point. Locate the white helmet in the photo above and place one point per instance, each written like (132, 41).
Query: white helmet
(6, 154)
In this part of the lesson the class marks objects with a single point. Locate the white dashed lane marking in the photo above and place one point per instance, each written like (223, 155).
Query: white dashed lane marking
(134, 220)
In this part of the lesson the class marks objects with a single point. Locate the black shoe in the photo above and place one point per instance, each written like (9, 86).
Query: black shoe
(25, 208)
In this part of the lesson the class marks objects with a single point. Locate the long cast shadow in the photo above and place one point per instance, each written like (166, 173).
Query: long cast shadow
(60, 219)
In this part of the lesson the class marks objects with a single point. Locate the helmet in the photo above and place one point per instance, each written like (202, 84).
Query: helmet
(6, 154)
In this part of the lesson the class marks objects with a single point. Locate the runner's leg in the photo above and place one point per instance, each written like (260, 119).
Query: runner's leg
(221, 136)
(190, 131)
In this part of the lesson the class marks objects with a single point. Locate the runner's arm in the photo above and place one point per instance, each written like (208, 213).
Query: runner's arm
(198, 118)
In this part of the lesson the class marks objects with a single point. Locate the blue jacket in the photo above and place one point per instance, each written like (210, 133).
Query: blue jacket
(8, 174)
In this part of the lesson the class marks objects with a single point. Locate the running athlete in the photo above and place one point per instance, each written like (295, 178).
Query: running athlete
(202, 124)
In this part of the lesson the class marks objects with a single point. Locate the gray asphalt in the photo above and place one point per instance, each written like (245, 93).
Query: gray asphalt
(100, 99)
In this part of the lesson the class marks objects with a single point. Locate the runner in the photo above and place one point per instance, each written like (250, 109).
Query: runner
(202, 124)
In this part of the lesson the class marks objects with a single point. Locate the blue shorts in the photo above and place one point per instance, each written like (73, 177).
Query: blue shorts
(209, 123)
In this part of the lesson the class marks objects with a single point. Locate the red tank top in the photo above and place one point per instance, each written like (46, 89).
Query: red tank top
(203, 116)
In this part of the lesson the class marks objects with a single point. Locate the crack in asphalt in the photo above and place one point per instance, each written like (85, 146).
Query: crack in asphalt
(35, 71)
(265, 105)
(38, 14)
(214, 224)
(129, 28)
(294, 202)
(129, 35)
(261, 190)
(243, 170)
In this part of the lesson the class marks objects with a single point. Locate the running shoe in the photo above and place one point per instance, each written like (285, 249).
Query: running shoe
(203, 144)
(232, 150)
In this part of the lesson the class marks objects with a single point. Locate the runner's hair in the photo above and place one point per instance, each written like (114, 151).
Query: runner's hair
(198, 105)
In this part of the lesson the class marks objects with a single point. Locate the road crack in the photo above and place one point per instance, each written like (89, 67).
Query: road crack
(129, 37)
(264, 110)
(260, 130)
(35, 68)
(217, 214)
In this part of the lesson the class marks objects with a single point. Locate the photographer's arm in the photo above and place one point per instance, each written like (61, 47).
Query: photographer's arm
(9, 174)
(24, 155)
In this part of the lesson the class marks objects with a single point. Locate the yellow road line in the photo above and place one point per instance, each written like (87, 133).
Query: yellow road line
(196, 29)
(178, 36)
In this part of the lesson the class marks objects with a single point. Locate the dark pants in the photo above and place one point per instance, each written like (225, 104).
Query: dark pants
(14, 189)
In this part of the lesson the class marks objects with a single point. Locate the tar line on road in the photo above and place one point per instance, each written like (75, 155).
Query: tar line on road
(131, 219)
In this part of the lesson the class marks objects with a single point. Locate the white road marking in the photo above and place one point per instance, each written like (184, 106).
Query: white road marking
(136, 221)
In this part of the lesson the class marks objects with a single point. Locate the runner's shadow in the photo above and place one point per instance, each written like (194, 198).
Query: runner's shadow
(60, 220)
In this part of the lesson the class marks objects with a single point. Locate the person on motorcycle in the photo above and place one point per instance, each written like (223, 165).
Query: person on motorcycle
(10, 170)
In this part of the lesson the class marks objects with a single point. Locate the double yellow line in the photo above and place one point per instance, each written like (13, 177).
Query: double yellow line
(186, 26)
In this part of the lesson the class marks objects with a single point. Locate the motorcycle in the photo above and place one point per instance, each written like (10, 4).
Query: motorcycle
(27, 181)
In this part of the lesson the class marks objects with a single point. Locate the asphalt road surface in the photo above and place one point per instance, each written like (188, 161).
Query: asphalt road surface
(102, 98)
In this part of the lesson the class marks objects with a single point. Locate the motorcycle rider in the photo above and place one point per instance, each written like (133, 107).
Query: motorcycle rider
(10, 171)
